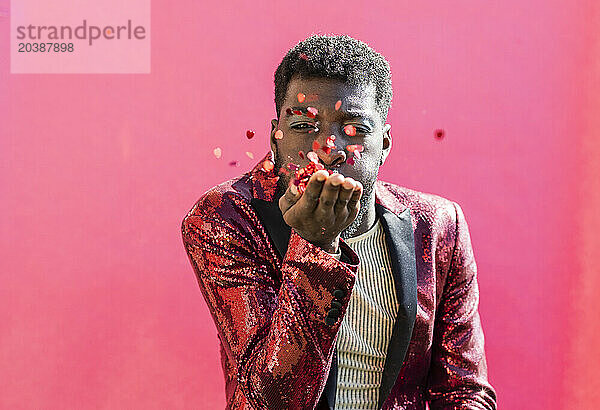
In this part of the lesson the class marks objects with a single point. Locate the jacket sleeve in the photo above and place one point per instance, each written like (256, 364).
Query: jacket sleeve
(272, 325)
(458, 372)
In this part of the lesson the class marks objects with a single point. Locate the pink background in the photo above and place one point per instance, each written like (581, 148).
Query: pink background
(99, 306)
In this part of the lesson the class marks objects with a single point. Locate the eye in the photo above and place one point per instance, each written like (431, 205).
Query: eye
(303, 126)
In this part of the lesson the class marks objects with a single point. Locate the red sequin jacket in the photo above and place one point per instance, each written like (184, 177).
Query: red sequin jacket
(270, 293)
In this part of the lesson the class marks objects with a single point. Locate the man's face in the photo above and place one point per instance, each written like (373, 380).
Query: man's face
(358, 108)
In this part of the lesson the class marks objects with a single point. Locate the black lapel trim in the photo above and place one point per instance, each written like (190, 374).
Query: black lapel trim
(401, 247)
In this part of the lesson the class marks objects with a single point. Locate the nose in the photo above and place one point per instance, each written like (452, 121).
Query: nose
(334, 158)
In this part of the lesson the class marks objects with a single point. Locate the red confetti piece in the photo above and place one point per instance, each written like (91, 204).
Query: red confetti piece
(315, 146)
(312, 156)
(303, 56)
(267, 165)
(326, 150)
(293, 167)
(338, 104)
(301, 97)
(302, 176)
(350, 130)
(313, 111)
(288, 111)
(301, 154)
(356, 154)
(297, 112)
(353, 148)
(278, 134)
(234, 163)
(249, 134)
(217, 151)
(350, 161)
(439, 133)
(330, 142)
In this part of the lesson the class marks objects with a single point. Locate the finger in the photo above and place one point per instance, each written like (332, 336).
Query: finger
(352, 203)
(345, 194)
(329, 194)
(289, 198)
(311, 194)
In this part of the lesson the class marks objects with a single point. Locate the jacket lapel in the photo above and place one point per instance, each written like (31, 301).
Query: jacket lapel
(401, 247)
(400, 244)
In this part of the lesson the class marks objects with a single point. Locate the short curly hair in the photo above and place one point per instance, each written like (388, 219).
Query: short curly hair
(339, 57)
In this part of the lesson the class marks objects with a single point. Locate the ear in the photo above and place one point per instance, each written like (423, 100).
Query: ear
(274, 127)
(387, 143)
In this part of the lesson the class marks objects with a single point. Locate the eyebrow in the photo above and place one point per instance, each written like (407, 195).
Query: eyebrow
(349, 113)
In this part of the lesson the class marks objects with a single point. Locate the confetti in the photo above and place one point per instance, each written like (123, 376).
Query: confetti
(439, 133)
(250, 155)
(356, 154)
(297, 112)
(301, 97)
(234, 163)
(288, 111)
(338, 104)
(312, 112)
(293, 167)
(350, 161)
(315, 146)
(267, 165)
(249, 134)
(278, 134)
(327, 150)
(330, 142)
(217, 152)
(302, 175)
(353, 148)
(350, 130)
(313, 156)
(303, 56)
(283, 171)
(301, 154)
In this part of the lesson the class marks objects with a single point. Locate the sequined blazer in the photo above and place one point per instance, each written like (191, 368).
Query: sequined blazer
(277, 300)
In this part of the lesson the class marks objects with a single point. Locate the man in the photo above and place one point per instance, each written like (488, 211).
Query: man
(355, 293)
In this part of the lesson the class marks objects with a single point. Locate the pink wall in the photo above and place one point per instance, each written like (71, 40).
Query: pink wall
(99, 307)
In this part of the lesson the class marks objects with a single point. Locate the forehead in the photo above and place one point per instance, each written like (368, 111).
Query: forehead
(361, 97)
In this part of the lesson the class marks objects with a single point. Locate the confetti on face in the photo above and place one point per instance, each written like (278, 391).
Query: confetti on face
(234, 163)
(267, 165)
(250, 155)
(350, 161)
(356, 154)
(303, 56)
(312, 112)
(302, 176)
(353, 148)
(297, 112)
(301, 154)
(278, 134)
(301, 97)
(293, 167)
(350, 130)
(439, 133)
(330, 142)
(217, 152)
(249, 134)
(288, 111)
(313, 156)
(338, 104)
(326, 150)
(316, 146)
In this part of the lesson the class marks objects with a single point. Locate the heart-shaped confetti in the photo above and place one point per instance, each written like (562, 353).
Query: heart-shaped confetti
(350, 161)
(250, 155)
(288, 111)
(330, 142)
(313, 156)
(327, 150)
(217, 152)
(353, 148)
(303, 56)
(301, 154)
(267, 165)
(297, 112)
(350, 130)
(278, 134)
(249, 134)
(293, 167)
(301, 97)
(234, 163)
(439, 133)
(338, 104)
(312, 112)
